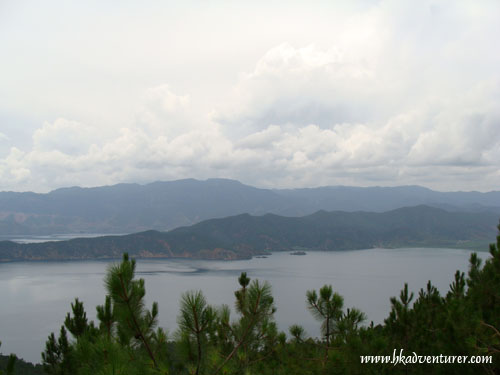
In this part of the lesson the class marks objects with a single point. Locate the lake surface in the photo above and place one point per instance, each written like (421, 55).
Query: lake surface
(53, 237)
(35, 296)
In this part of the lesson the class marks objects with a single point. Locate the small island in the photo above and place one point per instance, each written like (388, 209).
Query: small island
(298, 253)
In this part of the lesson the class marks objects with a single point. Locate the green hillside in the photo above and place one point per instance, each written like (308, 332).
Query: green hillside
(243, 236)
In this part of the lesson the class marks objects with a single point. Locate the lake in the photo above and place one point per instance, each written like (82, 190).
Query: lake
(35, 296)
(24, 238)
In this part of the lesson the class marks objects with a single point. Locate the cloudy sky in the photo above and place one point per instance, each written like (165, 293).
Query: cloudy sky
(271, 93)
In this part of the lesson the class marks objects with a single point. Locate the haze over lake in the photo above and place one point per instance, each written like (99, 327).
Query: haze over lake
(37, 295)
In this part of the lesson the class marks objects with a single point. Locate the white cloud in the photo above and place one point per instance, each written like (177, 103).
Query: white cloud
(300, 86)
(165, 113)
(65, 136)
(13, 169)
(391, 93)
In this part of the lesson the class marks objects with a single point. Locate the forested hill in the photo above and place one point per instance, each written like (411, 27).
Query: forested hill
(128, 208)
(243, 236)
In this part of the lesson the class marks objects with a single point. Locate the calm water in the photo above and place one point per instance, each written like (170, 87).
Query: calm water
(35, 297)
(53, 237)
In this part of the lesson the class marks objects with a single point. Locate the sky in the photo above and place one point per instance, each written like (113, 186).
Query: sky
(274, 94)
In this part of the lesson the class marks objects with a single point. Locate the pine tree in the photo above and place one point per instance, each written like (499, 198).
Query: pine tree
(326, 308)
(196, 323)
(135, 324)
(57, 359)
(255, 305)
(106, 317)
(337, 328)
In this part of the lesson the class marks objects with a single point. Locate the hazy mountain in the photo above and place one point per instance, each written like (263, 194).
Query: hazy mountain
(126, 208)
(244, 235)
(380, 199)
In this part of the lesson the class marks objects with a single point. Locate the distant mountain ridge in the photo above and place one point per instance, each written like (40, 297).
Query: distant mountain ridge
(244, 235)
(127, 208)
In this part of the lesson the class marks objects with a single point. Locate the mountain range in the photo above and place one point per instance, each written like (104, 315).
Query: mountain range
(243, 236)
(127, 208)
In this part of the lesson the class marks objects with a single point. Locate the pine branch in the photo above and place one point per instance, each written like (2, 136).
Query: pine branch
(135, 323)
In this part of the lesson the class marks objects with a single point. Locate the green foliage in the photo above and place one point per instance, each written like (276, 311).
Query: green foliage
(465, 321)
(78, 325)
(248, 340)
(196, 325)
(106, 317)
(326, 308)
(135, 324)
(9, 368)
(57, 359)
(337, 327)
(11, 365)
(297, 332)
